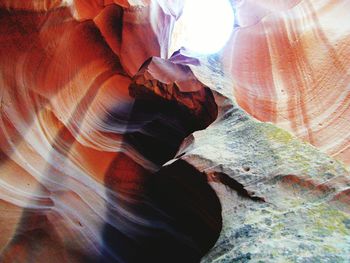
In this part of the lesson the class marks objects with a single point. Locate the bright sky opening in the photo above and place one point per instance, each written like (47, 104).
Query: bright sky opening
(208, 25)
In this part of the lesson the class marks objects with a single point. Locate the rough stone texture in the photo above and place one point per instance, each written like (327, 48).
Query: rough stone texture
(283, 200)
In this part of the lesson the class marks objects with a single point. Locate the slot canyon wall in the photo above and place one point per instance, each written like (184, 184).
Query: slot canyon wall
(118, 145)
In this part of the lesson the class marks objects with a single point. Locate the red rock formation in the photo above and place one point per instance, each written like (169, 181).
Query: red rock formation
(289, 64)
(80, 144)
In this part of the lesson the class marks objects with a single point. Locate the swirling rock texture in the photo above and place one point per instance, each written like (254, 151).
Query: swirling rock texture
(115, 150)
(289, 61)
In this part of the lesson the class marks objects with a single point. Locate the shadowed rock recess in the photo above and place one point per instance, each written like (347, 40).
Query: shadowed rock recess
(115, 149)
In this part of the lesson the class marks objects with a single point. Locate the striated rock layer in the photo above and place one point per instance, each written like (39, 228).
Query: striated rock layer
(114, 150)
(83, 140)
(289, 61)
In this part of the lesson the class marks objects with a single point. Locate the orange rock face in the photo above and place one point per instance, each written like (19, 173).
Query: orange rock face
(289, 63)
(85, 131)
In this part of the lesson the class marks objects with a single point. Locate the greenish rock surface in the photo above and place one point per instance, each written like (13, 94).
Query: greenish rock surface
(282, 199)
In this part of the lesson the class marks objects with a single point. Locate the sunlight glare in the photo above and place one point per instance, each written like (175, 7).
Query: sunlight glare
(208, 25)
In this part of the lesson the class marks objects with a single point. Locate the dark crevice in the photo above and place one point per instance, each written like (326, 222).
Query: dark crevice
(179, 213)
(236, 186)
(184, 216)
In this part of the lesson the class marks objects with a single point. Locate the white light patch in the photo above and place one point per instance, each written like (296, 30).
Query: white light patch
(207, 24)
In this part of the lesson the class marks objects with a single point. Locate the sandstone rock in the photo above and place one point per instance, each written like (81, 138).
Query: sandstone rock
(113, 149)
(282, 199)
(289, 65)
